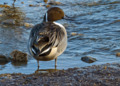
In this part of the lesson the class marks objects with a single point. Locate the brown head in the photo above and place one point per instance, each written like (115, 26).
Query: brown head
(54, 14)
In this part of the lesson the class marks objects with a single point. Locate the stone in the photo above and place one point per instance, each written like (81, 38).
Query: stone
(5, 6)
(3, 60)
(118, 54)
(9, 22)
(88, 59)
(45, 1)
(30, 5)
(47, 6)
(22, 2)
(74, 34)
(55, 3)
(28, 25)
(18, 56)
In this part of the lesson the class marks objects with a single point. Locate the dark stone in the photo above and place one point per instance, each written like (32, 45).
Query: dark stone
(3, 60)
(19, 56)
(118, 54)
(9, 22)
(88, 59)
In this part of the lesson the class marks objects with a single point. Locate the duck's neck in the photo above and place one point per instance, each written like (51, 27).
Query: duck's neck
(45, 18)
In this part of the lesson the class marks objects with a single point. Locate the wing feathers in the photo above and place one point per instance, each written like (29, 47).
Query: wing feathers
(44, 37)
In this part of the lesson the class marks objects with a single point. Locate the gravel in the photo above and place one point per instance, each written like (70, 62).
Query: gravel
(100, 75)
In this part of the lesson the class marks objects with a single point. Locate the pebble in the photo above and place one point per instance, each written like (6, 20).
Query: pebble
(28, 25)
(9, 22)
(74, 34)
(118, 54)
(3, 60)
(55, 3)
(45, 1)
(18, 56)
(6, 6)
(88, 59)
(30, 5)
(22, 2)
(47, 6)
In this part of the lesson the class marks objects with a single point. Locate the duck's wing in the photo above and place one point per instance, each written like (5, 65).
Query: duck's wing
(44, 37)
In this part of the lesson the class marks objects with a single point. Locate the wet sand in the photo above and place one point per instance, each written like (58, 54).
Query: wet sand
(100, 75)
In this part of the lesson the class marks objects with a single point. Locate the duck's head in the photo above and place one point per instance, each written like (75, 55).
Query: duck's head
(53, 14)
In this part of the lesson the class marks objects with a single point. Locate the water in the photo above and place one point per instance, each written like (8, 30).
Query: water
(97, 20)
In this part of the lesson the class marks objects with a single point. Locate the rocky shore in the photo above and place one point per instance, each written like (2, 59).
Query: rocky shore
(100, 75)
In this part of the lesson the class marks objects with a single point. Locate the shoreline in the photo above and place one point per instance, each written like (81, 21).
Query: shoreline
(96, 75)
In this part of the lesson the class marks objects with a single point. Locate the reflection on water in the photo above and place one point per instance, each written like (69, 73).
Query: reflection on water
(15, 64)
(45, 71)
(3, 62)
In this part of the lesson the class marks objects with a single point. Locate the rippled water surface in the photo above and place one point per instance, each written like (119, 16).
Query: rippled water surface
(97, 20)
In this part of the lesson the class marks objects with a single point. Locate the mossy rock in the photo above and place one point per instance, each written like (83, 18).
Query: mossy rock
(18, 56)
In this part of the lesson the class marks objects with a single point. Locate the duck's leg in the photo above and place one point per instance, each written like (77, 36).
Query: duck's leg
(55, 63)
(38, 64)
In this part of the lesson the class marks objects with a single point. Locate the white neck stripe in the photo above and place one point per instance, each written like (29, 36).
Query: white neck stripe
(46, 17)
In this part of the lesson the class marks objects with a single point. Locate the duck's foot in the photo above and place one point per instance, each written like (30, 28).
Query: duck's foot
(38, 64)
(55, 63)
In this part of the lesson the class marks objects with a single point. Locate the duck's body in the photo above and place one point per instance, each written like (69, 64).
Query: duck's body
(47, 40)
(49, 35)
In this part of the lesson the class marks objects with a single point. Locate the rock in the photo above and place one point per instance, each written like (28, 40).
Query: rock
(88, 59)
(74, 34)
(5, 6)
(9, 22)
(18, 56)
(45, 1)
(3, 60)
(28, 25)
(22, 2)
(30, 5)
(118, 54)
(47, 6)
(55, 3)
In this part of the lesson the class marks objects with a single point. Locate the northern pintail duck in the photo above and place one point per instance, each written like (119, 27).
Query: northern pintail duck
(48, 40)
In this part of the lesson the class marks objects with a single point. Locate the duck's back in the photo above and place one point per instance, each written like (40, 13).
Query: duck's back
(45, 36)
